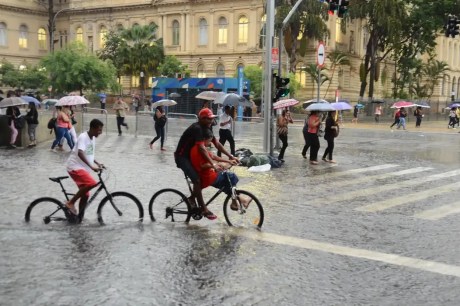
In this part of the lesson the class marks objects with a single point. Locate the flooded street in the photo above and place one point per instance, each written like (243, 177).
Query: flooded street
(380, 227)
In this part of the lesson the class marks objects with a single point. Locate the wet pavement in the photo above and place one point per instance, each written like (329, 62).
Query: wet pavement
(380, 227)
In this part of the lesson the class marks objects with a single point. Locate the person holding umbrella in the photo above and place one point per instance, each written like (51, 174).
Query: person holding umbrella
(310, 133)
(418, 115)
(32, 122)
(160, 121)
(282, 130)
(225, 131)
(329, 135)
(13, 112)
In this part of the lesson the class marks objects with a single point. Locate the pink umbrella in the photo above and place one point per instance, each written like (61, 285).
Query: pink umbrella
(400, 104)
(285, 103)
(71, 100)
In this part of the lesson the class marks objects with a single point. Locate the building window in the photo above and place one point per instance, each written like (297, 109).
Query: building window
(222, 37)
(3, 32)
(365, 38)
(200, 73)
(338, 31)
(300, 74)
(102, 36)
(262, 32)
(23, 37)
(41, 38)
(79, 34)
(119, 27)
(203, 34)
(243, 27)
(175, 33)
(352, 42)
(220, 71)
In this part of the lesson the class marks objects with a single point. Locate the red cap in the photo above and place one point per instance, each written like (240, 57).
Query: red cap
(206, 113)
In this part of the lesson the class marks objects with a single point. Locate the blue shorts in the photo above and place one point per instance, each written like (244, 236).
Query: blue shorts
(222, 181)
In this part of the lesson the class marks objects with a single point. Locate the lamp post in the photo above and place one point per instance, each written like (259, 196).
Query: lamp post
(52, 26)
(142, 88)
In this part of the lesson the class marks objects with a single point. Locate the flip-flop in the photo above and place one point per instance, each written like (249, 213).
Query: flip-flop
(209, 215)
(72, 210)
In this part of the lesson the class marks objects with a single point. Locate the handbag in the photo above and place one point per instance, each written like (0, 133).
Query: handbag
(282, 130)
(336, 131)
(19, 122)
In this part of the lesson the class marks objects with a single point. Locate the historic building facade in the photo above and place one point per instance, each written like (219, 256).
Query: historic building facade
(212, 37)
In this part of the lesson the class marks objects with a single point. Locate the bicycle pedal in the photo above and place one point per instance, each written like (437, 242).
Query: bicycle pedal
(197, 217)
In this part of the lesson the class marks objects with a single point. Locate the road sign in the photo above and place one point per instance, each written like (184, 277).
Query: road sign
(275, 56)
(320, 55)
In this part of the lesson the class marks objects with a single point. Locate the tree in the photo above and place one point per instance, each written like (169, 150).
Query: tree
(115, 49)
(255, 76)
(308, 22)
(74, 68)
(434, 71)
(171, 66)
(312, 71)
(337, 59)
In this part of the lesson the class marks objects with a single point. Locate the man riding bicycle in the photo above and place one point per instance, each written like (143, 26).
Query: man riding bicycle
(81, 163)
(193, 134)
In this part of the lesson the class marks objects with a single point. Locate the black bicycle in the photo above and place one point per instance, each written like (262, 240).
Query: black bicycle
(126, 207)
(172, 205)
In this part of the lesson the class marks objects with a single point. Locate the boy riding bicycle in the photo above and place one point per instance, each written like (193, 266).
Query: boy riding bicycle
(210, 177)
(81, 163)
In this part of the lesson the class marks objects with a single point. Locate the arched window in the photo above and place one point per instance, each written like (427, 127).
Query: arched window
(220, 71)
(23, 36)
(3, 34)
(443, 85)
(454, 81)
(200, 73)
(119, 27)
(79, 34)
(42, 38)
(222, 37)
(243, 28)
(263, 21)
(203, 34)
(102, 36)
(175, 33)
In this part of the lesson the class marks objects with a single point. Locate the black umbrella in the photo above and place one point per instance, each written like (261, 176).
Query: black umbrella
(377, 101)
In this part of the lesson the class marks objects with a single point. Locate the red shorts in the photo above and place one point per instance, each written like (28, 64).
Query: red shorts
(82, 178)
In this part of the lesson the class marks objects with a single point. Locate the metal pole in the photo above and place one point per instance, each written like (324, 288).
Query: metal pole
(319, 81)
(53, 26)
(269, 29)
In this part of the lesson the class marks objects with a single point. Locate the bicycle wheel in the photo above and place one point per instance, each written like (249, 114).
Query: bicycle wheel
(169, 204)
(120, 207)
(251, 216)
(45, 211)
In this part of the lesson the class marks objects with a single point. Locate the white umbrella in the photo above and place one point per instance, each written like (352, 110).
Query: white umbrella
(320, 107)
(232, 99)
(12, 101)
(164, 102)
(208, 95)
(71, 100)
(315, 101)
(285, 103)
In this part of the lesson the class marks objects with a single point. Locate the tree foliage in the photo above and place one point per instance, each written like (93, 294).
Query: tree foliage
(172, 66)
(74, 68)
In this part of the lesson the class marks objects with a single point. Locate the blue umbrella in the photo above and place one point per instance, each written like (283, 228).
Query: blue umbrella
(359, 105)
(30, 99)
(102, 95)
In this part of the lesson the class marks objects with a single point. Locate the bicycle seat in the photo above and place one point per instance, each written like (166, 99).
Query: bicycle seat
(58, 179)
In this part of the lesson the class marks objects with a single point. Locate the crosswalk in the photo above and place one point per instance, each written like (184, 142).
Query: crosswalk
(415, 187)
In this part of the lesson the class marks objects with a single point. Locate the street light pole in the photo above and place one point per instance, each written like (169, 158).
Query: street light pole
(52, 27)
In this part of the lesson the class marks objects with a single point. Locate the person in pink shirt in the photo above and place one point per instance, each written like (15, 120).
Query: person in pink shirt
(310, 133)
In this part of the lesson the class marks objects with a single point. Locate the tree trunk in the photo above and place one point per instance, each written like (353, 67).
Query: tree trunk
(295, 29)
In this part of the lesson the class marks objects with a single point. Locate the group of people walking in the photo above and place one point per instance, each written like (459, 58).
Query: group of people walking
(311, 133)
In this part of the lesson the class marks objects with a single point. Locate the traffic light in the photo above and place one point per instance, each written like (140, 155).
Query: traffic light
(333, 6)
(281, 90)
(451, 27)
(343, 8)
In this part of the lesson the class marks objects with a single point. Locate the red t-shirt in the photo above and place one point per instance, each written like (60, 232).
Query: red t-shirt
(207, 176)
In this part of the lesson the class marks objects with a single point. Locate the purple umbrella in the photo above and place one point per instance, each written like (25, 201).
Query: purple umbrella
(340, 106)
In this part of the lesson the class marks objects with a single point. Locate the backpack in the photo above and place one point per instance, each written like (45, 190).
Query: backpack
(52, 123)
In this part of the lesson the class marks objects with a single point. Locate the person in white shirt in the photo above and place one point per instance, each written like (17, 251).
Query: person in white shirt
(225, 131)
(81, 163)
